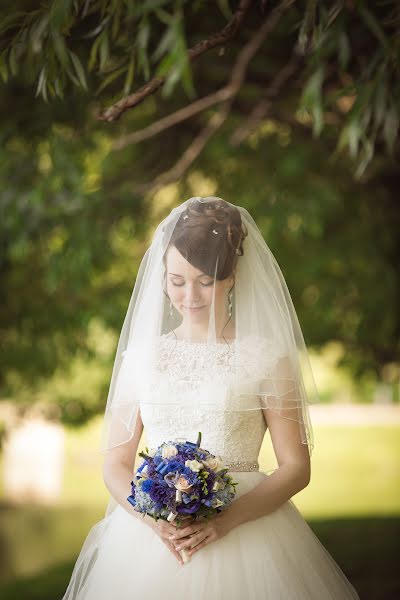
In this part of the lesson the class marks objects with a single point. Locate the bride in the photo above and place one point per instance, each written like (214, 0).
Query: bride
(210, 343)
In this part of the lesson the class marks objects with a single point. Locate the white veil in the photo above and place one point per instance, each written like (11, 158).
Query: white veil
(216, 238)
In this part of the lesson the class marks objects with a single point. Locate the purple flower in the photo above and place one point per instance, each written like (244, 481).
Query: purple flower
(161, 493)
(187, 509)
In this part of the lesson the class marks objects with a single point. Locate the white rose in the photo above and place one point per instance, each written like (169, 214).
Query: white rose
(214, 463)
(169, 451)
(194, 465)
(183, 484)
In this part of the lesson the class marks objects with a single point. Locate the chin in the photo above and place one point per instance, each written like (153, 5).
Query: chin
(197, 316)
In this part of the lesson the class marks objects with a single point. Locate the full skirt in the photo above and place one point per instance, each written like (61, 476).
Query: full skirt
(276, 557)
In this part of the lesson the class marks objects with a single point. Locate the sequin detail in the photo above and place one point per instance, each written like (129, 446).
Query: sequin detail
(243, 465)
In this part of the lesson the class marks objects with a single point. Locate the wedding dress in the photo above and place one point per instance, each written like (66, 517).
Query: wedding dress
(275, 557)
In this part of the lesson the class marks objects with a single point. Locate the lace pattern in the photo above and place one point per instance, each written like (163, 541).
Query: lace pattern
(191, 376)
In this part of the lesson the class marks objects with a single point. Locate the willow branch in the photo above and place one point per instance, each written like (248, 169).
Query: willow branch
(216, 121)
(217, 39)
(262, 107)
(173, 119)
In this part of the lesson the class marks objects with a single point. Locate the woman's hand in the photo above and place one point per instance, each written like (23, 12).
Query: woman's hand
(165, 530)
(196, 535)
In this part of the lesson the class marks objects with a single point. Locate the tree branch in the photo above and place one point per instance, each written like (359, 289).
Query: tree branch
(262, 107)
(216, 121)
(217, 39)
(173, 119)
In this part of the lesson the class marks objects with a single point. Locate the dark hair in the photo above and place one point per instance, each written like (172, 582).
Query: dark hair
(207, 230)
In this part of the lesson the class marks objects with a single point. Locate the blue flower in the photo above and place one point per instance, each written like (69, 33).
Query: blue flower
(147, 485)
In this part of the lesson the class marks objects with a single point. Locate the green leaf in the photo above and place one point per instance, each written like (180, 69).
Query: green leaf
(79, 70)
(60, 11)
(311, 99)
(164, 45)
(142, 41)
(391, 127)
(110, 78)
(104, 49)
(60, 48)
(343, 50)
(41, 80)
(366, 157)
(129, 76)
(12, 59)
(3, 68)
(93, 53)
(37, 33)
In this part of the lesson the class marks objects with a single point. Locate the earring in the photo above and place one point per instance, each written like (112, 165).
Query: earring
(170, 308)
(230, 304)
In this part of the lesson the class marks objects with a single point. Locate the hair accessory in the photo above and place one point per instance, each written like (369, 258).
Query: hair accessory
(185, 217)
(215, 231)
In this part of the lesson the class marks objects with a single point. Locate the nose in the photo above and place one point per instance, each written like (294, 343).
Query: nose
(192, 296)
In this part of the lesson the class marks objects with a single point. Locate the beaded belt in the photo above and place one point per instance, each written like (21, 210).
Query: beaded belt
(242, 465)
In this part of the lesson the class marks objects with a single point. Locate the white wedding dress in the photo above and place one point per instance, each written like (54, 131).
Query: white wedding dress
(276, 557)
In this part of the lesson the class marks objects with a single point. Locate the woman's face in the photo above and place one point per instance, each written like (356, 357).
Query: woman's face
(191, 291)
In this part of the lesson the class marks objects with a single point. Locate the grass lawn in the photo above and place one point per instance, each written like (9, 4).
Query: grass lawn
(352, 504)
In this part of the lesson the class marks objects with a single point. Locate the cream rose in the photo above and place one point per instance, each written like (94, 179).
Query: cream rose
(169, 451)
(214, 463)
(183, 485)
(194, 465)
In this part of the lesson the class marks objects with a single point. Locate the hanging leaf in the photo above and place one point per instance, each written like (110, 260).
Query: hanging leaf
(391, 127)
(142, 42)
(129, 76)
(110, 78)
(79, 70)
(311, 99)
(104, 49)
(3, 68)
(343, 50)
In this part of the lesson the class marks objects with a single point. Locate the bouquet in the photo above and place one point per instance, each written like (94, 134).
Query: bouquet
(179, 480)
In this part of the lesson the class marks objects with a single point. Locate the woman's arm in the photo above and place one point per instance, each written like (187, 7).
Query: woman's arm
(118, 469)
(293, 474)
(294, 468)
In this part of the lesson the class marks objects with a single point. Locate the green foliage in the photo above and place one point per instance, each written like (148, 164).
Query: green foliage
(354, 75)
(73, 229)
(351, 53)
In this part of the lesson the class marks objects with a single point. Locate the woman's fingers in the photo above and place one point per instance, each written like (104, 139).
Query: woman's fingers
(174, 552)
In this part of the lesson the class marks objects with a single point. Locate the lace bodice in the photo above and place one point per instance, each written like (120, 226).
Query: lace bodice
(190, 392)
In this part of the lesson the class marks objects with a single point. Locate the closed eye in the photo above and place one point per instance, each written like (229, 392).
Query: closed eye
(202, 284)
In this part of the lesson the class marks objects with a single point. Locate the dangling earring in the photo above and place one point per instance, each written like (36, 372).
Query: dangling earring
(170, 308)
(230, 304)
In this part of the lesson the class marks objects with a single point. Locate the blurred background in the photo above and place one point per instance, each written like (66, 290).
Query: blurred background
(288, 109)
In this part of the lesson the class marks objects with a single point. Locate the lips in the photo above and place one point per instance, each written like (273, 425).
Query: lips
(193, 308)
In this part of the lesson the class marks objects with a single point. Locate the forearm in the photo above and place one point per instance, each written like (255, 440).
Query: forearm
(268, 495)
(117, 478)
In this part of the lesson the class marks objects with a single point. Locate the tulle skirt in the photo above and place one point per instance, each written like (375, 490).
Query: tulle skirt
(276, 557)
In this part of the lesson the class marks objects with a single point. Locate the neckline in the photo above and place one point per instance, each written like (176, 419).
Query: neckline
(169, 338)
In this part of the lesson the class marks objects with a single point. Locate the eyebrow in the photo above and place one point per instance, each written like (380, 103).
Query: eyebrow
(198, 277)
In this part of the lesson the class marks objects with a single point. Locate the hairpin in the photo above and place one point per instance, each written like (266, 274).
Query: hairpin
(215, 231)
(185, 217)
